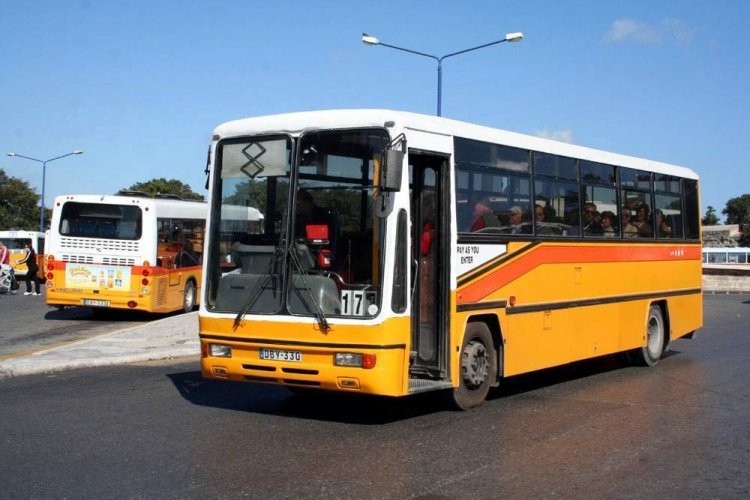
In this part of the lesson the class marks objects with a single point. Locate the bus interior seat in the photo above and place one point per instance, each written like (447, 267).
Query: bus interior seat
(253, 259)
(258, 259)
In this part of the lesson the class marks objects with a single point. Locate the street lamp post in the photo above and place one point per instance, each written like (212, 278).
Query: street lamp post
(44, 177)
(371, 40)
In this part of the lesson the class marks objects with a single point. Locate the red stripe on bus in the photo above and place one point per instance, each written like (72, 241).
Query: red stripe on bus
(550, 254)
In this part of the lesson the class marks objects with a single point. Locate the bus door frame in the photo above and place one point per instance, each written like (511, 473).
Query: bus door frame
(429, 329)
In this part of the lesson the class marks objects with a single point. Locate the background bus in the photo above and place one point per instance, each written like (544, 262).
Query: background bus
(125, 252)
(16, 242)
(726, 255)
(373, 274)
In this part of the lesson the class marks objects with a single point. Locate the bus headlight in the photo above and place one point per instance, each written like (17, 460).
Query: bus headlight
(219, 351)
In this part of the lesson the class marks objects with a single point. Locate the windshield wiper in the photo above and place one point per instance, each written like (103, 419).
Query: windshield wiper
(259, 287)
(325, 327)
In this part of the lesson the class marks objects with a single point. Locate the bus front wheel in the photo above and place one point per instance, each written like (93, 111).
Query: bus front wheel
(188, 297)
(651, 352)
(478, 368)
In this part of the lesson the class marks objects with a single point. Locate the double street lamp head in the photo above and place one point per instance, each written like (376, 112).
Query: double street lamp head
(368, 39)
(509, 37)
(76, 152)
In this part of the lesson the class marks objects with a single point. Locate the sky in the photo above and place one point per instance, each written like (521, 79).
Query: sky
(140, 85)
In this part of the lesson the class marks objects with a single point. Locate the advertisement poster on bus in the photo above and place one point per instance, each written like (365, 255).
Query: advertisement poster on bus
(97, 277)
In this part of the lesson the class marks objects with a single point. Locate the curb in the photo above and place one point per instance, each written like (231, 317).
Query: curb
(172, 337)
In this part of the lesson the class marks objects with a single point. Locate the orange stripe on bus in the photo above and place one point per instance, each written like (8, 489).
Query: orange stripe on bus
(551, 254)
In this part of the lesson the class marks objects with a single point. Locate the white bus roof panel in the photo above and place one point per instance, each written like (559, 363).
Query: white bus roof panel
(296, 123)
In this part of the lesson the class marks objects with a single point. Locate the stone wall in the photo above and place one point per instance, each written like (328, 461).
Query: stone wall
(726, 279)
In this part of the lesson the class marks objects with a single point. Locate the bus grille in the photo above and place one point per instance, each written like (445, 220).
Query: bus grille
(78, 259)
(100, 245)
(88, 259)
(161, 293)
(118, 261)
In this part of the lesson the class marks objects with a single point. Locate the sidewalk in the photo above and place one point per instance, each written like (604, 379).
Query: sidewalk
(171, 337)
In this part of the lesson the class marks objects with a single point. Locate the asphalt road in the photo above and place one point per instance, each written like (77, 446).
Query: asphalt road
(27, 324)
(598, 429)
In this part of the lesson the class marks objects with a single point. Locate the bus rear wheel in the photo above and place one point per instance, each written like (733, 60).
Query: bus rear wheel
(188, 297)
(478, 367)
(651, 352)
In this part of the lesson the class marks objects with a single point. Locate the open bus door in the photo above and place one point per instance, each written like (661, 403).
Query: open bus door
(430, 224)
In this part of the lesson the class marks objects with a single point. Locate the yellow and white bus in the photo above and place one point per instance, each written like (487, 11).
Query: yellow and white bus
(402, 253)
(16, 242)
(125, 252)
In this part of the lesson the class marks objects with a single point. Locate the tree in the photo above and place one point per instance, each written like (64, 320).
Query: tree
(738, 210)
(19, 205)
(710, 219)
(164, 186)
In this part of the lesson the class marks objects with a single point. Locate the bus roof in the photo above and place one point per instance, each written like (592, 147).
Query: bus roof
(19, 233)
(296, 123)
(163, 207)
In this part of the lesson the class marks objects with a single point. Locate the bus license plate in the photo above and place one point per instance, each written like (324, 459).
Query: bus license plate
(95, 303)
(279, 355)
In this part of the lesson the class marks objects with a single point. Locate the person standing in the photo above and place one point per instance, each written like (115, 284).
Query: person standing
(4, 254)
(32, 270)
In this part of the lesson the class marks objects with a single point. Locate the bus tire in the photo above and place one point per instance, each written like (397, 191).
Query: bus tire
(188, 297)
(651, 352)
(478, 367)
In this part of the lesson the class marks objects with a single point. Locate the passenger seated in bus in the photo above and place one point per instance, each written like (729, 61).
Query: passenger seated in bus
(628, 229)
(608, 224)
(663, 230)
(643, 216)
(483, 215)
(591, 220)
(515, 222)
(540, 216)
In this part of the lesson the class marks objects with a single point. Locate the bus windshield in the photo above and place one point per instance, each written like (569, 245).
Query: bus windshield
(98, 220)
(332, 262)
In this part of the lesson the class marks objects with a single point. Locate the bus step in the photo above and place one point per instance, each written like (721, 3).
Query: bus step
(417, 385)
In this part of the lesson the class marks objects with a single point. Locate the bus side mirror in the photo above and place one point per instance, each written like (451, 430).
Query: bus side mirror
(391, 169)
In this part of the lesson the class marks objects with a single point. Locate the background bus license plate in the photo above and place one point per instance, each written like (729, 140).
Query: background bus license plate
(280, 355)
(95, 303)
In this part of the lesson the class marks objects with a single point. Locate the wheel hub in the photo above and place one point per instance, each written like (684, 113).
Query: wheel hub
(474, 364)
